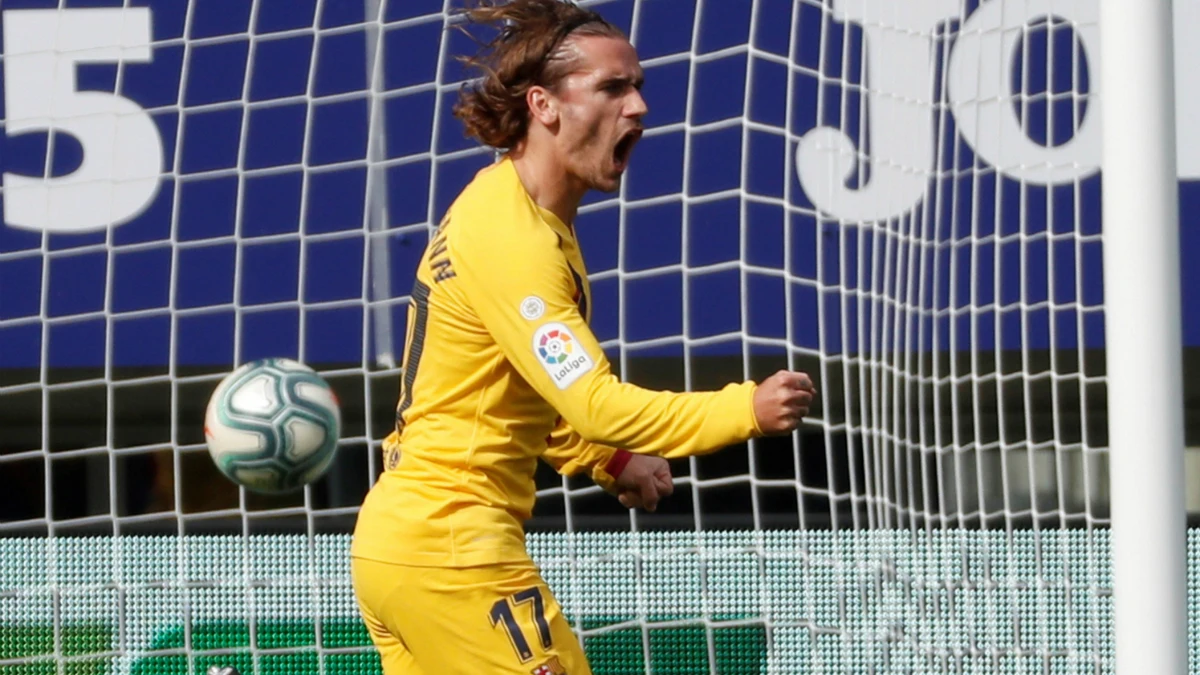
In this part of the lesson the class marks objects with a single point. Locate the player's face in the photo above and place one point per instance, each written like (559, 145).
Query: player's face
(601, 110)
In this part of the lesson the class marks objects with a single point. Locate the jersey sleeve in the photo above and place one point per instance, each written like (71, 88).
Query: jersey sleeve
(570, 454)
(521, 287)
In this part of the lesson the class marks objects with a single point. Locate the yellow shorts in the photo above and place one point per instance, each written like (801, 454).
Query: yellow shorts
(490, 620)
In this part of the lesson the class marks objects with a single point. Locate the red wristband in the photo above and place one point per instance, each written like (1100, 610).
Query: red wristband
(617, 464)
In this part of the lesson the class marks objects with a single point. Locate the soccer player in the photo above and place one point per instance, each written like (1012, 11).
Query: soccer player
(500, 367)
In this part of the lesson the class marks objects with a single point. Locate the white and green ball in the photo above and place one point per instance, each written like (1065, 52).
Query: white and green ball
(273, 425)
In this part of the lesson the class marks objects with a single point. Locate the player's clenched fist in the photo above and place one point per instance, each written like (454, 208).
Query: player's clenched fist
(782, 401)
(644, 481)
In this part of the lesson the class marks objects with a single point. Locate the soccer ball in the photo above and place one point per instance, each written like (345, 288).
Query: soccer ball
(272, 425)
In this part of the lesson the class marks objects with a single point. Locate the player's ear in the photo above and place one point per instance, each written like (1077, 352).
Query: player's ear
(543, 107)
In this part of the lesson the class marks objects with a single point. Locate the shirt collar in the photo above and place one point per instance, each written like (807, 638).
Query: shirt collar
(560, 228)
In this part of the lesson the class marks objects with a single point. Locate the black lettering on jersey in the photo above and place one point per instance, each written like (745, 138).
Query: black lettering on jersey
(415, 346)
(439, 259)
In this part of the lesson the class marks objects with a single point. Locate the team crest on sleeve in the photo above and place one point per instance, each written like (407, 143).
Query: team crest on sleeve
(560, 354)
(533, 307)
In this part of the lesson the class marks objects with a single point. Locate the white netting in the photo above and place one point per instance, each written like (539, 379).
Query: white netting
(899, 198)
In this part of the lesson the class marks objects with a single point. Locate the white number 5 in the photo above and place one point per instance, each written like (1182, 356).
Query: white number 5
(122, 149)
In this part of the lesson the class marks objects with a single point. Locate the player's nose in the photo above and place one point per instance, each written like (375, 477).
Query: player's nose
(635, 105)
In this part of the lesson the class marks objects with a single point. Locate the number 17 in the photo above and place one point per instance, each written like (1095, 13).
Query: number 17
(502, 613)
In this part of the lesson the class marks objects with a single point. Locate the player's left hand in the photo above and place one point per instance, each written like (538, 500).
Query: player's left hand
(644, 481)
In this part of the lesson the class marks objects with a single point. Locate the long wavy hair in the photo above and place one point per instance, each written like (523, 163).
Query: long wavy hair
(530, 49)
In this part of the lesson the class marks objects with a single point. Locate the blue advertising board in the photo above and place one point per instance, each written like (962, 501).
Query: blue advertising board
(247, 234)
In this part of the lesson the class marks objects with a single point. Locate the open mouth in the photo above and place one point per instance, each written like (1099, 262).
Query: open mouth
(624, 147)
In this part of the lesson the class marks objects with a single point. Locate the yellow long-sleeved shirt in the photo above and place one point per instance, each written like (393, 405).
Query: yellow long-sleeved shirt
(500, 368)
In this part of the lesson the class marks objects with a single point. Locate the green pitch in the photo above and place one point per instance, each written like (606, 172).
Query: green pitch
(81, 645)
(739, 650)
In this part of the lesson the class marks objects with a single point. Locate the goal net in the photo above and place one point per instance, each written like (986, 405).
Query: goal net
(899, 198)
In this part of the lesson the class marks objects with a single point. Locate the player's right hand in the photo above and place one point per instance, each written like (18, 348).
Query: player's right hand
(782, 400)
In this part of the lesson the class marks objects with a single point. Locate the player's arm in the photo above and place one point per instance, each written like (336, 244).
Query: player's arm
(571, 454)
(552, 347)
(636, 480)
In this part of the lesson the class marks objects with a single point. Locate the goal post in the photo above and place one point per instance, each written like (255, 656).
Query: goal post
(902, 198)
(377, 190)
(1143, 329)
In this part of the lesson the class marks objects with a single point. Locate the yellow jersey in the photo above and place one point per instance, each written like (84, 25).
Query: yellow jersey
(501, 368)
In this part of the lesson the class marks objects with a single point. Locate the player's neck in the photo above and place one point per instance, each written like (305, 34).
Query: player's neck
(548, 183)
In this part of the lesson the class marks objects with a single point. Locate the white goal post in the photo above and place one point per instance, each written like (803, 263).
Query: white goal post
(901, 197)
(1144, 331)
